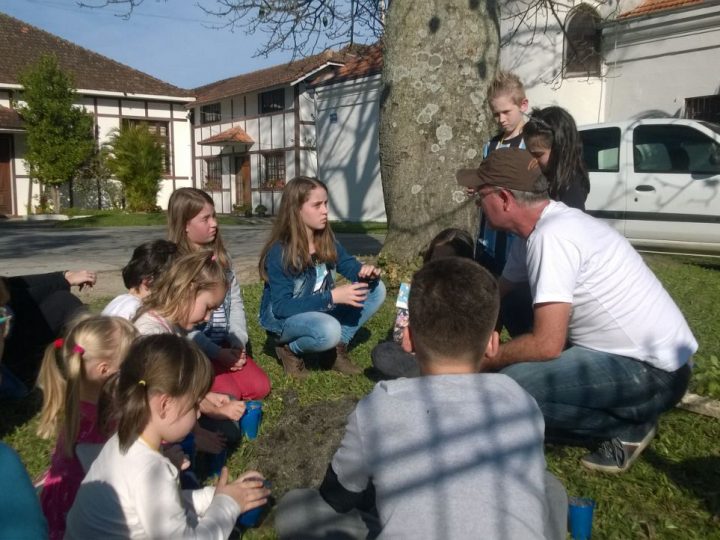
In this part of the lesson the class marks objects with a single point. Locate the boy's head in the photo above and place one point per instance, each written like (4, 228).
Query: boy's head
(508, 103)
(148, 261)
(453, 306)
(450, 243)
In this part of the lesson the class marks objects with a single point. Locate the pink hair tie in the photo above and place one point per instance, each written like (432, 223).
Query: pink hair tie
(78, 349)
(213, 258)
(58, 343)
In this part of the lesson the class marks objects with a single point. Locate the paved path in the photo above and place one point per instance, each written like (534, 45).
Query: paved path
(37, 248)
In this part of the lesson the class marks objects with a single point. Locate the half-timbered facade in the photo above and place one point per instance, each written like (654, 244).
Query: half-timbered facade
(113, 93)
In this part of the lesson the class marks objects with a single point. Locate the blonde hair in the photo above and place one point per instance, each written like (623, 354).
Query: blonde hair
(63, 371)
(159, 363)
(507, 83)
(173, 293)
(289, 230)
(184, 205)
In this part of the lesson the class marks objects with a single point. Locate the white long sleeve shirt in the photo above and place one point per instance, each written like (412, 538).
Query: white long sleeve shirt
(137, 495)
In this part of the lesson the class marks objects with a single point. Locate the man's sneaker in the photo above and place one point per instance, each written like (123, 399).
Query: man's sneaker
(616, 456)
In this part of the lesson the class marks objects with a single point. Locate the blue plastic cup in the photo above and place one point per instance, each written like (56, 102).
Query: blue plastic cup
(580, 516)
(252, 517)
(216, 462)
(250, 421)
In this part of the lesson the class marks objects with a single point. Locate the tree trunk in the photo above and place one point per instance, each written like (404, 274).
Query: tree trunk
(438, 60)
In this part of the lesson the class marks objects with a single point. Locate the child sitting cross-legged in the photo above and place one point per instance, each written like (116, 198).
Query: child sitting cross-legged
(450, 454)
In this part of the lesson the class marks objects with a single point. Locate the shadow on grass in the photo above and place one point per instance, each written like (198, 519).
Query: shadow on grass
(699, 476)
(16, 413)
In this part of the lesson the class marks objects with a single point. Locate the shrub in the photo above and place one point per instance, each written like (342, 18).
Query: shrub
(136, 157)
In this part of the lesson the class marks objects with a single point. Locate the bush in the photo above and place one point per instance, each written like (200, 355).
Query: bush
(135, 156)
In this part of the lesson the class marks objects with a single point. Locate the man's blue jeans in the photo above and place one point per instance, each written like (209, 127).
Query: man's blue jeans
(313, 331)
(592, 395)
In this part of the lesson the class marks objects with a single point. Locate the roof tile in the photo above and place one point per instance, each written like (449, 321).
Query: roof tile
(649, 7)
(22, 45)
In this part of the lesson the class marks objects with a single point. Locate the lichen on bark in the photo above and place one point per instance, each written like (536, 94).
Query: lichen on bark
(438, 60)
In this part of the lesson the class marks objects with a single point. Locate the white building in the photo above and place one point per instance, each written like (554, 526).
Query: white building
(618, 60)
(113, 93)
(313, 117)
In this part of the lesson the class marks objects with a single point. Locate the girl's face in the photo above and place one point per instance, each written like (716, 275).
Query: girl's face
(541, 152)
(180, 418)
(202, 229)
(205, 303)
(314, 211)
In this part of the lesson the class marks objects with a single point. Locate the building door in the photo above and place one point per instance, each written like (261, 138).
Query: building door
(242, 180)
(5, 176)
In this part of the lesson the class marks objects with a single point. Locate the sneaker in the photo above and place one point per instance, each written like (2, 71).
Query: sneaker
(616, 456)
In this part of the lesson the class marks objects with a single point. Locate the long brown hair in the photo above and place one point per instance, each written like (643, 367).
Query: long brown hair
(63, 371)
(289, 230)
(173, 293)
(185, 204)
(159, 363)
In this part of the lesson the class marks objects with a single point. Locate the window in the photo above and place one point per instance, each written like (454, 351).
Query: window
(210, 113)
(272, 101)
(703, 108)
(674, 149)
(583, 36)
(160, 130)
(213, 174)
(601, 149)
(274, 170)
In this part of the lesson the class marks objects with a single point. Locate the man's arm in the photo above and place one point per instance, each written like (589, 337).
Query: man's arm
(546, 341)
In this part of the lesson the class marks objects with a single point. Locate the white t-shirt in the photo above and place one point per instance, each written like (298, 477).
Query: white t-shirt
(137, 495)
(618, 305)
(125, 306)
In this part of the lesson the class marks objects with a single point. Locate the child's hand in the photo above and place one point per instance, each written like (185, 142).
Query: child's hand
(177, 457)
(213, 401)
(232, 359)
(352, 294)
(81, 278)
(368, 272)
(232, 410)
(248, 490)
(208, 441)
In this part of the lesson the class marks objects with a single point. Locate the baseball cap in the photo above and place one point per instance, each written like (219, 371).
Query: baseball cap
(511, 168)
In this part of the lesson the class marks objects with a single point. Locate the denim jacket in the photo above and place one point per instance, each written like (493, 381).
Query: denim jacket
(287, 294)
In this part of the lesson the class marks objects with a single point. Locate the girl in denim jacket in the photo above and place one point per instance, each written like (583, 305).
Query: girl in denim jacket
(301, 304)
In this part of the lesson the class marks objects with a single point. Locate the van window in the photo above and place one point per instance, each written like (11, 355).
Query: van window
(674, 149)
(601, 149)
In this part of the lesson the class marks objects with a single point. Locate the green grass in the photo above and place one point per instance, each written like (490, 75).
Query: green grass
(672, 492)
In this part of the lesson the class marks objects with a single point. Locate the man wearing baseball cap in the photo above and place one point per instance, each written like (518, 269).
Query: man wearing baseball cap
(609, 350)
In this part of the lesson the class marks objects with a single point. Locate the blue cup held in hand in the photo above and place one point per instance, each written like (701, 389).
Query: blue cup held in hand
(252, 517)
(250, 421)
(580, 515)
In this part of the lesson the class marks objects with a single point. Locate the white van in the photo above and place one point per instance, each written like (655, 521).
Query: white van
(657, 181)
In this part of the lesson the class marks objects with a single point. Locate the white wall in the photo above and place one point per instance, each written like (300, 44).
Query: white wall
(348, 150)
(535, 54)
(109, 111)
(656, 63)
